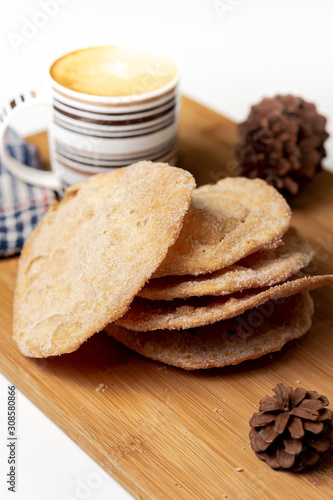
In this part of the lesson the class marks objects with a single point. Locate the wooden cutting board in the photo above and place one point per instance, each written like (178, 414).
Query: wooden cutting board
(166, 433)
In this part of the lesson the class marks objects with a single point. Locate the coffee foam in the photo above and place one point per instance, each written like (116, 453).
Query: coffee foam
(113, 71)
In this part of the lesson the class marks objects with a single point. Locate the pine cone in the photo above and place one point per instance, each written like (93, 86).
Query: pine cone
(292, 429)
(282, 141)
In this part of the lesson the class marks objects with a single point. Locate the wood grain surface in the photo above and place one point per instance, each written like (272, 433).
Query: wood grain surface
(164, 433)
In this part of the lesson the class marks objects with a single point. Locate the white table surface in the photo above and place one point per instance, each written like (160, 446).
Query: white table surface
(231, 54)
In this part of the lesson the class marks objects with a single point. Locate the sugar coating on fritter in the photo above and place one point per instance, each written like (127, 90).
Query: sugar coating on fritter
(249, 336)
(93, 252)
(145, 315)
(226, 221)
(260, 269)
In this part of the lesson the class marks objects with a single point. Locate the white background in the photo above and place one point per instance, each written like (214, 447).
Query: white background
(231, 54)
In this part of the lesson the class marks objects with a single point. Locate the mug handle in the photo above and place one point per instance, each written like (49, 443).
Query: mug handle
(27, 174)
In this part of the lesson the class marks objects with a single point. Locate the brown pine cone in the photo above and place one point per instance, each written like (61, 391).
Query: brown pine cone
(282, 141)
(292, 429)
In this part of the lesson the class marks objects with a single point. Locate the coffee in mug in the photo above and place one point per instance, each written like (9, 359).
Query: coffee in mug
(113, 71)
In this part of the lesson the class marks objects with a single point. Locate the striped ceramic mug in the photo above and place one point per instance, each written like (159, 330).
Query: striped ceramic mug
(110, 107)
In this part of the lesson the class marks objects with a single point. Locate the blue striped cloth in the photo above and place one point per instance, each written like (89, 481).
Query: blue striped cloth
(22, 205)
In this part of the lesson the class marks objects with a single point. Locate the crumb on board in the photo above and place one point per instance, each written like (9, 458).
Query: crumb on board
(239, 469)
(101, 388)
